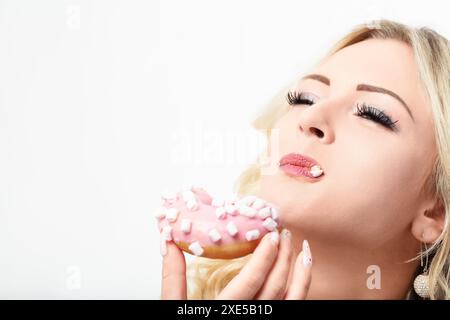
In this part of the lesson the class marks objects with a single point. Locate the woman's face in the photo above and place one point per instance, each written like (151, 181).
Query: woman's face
(371, 188)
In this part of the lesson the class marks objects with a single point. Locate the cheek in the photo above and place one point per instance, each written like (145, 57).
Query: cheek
(391, 177)
(375, 191)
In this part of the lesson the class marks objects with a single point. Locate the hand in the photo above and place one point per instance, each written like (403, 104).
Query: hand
(265, 276)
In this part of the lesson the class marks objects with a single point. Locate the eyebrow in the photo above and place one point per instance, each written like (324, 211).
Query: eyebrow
(363, 87)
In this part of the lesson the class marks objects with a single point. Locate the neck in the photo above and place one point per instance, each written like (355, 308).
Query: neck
(343, 272)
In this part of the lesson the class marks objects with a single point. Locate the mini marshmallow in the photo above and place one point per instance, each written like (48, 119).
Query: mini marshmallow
(167, 233)
(247, 211)
(231, 228)
(220, 213)
(231, 209)
(186, 225)
(248, 200)
(265, 212)
(160, 213)
(188, 195)
(172, 214)
(228, 202)
(196, 248)
(214, 235)
(274, 212)
(258, 204)
(217, 202)
(252, 235)
(316, 171)
(269, 224)
(192, 204)
(240, 206)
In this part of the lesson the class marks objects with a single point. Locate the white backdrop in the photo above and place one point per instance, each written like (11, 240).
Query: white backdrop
(103, 104)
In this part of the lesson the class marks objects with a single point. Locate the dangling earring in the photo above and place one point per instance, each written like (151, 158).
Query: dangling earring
(421, 282)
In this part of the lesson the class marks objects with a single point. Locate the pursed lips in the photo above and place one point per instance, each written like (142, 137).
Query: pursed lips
(301, 165)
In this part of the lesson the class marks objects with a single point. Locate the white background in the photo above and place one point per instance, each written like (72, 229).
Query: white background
(103, 104)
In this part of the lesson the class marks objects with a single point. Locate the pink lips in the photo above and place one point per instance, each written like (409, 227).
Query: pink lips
(298, 165)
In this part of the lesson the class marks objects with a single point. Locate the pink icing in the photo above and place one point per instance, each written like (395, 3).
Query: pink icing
(204, 219)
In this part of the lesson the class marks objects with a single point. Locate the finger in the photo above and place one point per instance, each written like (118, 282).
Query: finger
(301, 278)
(250, 279)
(276, 283)
(173, 273)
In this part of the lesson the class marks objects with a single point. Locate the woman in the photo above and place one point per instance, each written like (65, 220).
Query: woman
(375, 115)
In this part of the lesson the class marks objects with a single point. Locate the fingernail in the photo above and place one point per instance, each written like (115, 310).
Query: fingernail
(275, 237)
(286, 233)
(307, 258)
(163, 247)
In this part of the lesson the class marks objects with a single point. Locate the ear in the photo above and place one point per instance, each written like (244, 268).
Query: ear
(427, 226)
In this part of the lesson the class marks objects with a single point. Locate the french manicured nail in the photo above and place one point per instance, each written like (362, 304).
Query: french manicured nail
(307, 258)
(286, 233)
(275, 237)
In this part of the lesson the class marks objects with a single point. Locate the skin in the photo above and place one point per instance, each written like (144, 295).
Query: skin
(369, 208)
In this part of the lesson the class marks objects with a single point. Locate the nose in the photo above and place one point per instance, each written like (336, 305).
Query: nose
(316, 124)
(319, 133)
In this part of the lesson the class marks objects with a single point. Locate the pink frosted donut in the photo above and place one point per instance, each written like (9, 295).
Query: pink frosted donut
(211, 228)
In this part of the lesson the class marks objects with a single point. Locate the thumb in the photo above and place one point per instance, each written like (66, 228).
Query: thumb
(173, 273)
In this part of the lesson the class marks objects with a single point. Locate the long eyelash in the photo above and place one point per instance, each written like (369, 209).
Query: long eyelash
(364, 111)
(295, 97)
(376, 115)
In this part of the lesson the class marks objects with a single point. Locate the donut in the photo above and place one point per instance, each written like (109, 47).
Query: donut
(208, 227)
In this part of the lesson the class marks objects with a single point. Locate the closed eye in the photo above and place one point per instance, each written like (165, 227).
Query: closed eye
(300, 98)
(365, 111)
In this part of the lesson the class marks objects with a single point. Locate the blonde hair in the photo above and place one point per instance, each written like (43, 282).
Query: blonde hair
(432, 54)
